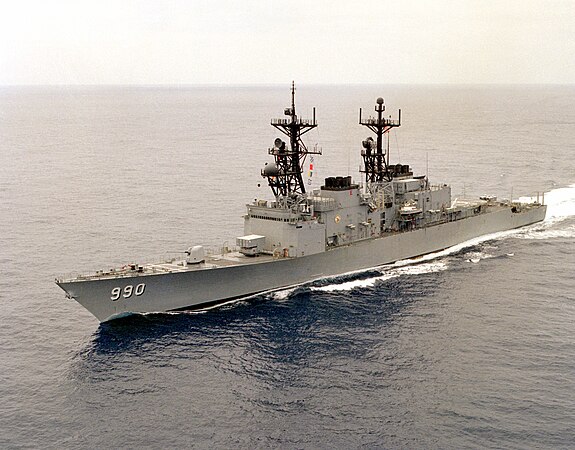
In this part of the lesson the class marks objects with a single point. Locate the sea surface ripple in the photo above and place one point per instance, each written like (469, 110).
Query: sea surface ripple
(471, 347)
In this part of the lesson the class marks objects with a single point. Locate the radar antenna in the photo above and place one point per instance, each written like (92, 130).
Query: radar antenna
(375, 158)
(285, 176)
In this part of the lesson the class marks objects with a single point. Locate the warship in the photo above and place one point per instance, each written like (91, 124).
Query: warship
(301, 236)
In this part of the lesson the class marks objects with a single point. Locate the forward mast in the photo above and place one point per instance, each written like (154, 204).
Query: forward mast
(284, 175)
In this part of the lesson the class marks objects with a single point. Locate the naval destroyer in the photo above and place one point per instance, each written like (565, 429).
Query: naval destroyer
(302, 235)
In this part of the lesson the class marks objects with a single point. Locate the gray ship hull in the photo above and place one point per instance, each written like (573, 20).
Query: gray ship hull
(199, 288)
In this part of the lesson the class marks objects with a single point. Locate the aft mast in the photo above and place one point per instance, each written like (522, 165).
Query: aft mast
(375, 158)
(285, 174)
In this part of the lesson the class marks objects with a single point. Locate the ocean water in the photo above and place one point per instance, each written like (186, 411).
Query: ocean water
(472, 347)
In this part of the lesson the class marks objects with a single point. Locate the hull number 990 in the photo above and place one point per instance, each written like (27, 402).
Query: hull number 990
(127, 292)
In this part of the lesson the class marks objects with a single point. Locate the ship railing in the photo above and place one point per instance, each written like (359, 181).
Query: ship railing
(216, 250)
(67, 276)
(168, 258)
(384, 121)
(94, 274)
(288, 122)
(277, 152)
(209, 250)
(124, 269)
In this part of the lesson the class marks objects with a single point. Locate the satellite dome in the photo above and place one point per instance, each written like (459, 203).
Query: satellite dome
(379, 101)
(270, 170)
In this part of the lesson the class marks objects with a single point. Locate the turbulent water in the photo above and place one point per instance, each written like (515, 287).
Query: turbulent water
(472, 347)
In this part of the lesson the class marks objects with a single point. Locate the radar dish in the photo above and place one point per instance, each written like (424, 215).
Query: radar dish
(271, 170)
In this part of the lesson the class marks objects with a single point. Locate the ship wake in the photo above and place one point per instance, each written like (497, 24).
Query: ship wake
(386, 274)
(558, 221)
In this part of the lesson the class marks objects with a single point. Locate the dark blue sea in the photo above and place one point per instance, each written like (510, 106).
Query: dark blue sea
(472, 347)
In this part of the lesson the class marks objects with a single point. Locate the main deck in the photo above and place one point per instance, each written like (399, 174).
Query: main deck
(172, 265)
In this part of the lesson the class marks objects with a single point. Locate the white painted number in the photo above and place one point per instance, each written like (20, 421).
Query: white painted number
(140, 288)
(128, 291)
(116, 293)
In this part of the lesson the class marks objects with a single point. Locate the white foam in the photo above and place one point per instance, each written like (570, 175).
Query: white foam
(349, 285)
(560, 206)
(387, 273)
(283, 294)
(475, 257)
(560, 203)
(457, 248)
(544, 234)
